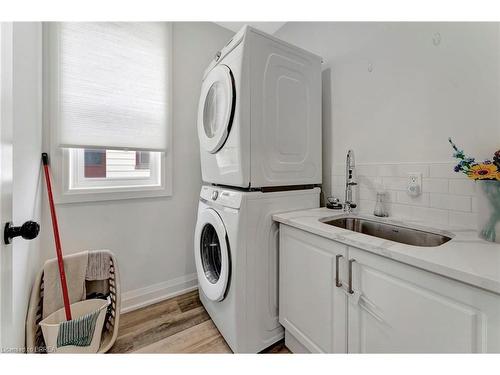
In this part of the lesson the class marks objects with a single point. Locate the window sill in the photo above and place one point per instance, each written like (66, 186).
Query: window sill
(64, 195)
(100, 195)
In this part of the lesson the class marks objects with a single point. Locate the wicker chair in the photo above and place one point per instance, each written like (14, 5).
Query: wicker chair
(34, 337)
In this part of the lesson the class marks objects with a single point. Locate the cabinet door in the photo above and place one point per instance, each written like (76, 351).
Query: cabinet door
(399, 308)
(311, 308)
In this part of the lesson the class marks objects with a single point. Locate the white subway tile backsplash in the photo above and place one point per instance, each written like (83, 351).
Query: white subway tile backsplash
(372, 183)
(393, 170)
(400, 210)
(395, 183)
(435, 185)
(388, 170)
(405, 198)
(463, 220)
(451, 202)
(430, 215)
(366, 206)
(444, 170)
(390, 196)
(366, 193)
(403, 170)
(474, 204)
(368, 170)
(439, 201)
(447, 197)
(462, 186)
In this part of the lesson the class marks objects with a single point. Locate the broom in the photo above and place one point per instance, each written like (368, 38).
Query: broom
(55, 226)
(78, 332)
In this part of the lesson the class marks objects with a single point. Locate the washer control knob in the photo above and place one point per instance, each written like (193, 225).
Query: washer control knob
(215, 195)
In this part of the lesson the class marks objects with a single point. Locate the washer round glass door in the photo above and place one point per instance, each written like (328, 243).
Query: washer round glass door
(211, 255)
(215, 110)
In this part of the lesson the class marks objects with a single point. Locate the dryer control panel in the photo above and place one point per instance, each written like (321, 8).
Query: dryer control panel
(220, 196)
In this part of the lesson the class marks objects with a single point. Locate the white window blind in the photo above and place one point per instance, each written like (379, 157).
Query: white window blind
(112, 87)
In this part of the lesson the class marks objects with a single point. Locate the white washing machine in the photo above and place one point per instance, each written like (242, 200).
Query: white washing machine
(236, 255)
(259, 115)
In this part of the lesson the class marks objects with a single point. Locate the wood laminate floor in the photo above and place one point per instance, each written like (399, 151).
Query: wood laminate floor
(177, 325)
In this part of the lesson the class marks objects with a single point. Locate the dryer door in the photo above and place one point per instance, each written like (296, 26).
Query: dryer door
(216, 108)
(212, 255)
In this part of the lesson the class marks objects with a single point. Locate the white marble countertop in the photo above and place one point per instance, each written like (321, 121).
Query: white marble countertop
(466, 257)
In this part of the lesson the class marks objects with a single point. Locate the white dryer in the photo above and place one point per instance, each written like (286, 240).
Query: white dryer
(236, 255)
(259, 115)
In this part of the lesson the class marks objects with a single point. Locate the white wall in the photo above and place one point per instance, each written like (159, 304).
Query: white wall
(395, 92)
(153, 238)
(27, 142)
(397, 97)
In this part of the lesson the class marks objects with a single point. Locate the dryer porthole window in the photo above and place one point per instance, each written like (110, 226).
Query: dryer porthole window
(215, 108)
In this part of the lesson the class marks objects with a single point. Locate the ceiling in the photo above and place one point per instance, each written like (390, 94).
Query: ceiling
(268, 27)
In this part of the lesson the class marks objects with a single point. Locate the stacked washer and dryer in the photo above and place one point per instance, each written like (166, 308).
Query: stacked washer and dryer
(259, 126)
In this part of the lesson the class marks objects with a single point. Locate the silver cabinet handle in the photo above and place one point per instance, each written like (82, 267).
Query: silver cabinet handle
(351, 261)
(338, 284)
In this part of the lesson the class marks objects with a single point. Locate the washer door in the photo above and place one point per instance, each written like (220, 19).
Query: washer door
(216, 108)
(211, 255)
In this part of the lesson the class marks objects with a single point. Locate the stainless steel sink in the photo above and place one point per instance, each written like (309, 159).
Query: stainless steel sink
(408, 236)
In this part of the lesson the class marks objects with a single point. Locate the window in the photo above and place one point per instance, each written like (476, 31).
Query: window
(114, 168)
(109, 90)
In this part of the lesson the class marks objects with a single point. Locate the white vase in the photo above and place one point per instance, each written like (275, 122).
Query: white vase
(488, 205)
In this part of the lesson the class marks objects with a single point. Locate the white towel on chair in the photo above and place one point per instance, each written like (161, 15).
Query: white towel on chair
(75, 267)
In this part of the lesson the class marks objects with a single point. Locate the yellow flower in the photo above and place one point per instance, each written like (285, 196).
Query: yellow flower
(498, 176)
(483, 171)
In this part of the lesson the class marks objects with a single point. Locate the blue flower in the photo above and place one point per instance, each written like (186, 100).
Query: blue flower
(457, 168)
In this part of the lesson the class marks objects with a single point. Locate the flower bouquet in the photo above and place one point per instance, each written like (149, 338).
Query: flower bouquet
(487, 174)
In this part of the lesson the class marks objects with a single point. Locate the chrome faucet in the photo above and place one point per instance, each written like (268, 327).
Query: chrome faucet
(349, 182)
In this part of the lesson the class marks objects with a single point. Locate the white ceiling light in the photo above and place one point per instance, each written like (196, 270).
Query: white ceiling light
(268, 27)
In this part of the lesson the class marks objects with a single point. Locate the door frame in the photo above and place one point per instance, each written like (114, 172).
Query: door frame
(6, 134)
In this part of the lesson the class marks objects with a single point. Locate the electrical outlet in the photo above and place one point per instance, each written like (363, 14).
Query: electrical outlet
(414, 184)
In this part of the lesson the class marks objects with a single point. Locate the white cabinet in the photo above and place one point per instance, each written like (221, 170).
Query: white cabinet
(312, 309)
(394, 307)
(398, 308)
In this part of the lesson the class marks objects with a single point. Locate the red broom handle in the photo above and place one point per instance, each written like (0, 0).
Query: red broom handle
(55, 226)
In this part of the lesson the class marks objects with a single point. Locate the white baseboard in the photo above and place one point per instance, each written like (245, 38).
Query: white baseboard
(135, 299)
